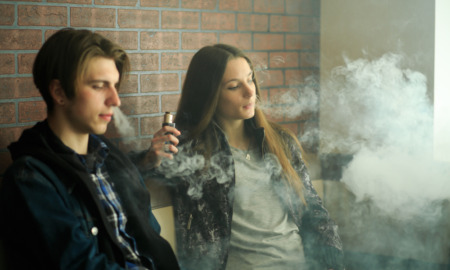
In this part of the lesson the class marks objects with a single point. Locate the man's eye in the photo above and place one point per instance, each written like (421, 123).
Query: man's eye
(97, 86)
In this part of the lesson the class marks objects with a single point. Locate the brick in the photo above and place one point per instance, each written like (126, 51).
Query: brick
(268, 6)
(30, 111)
(175, 61)
(42, 15)
(82, 2)
(128, 40)
(160, 3)
(268, 42)
(131, 3)
(309, 59)
(303, 7)
(241, 40)
(150, 125)
(15, 39)
(180, 20)
(7, 64)
(294, 42)
(7, 113)
(280, 96)
(169, 103)
(5, 162)
(160, 40)
(299, 77)
(218, 21)
(274, 114)
(135, 18)
(159, 82)
(303, 42)
(130, 85)
(252, 22)
(22, 87)
(197, 40)
(260, 60)
(264, 96)
(25, 63)
(144, 61)
(198, 4)
(292, 113)
(7, 17)
(135, 105)
(283, 59)
(284, 23)
(310, 24)
(273, 78)
(49, 33)
(236, 5)
(92, 17)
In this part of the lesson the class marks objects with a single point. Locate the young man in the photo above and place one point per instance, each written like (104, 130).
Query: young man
(71, 199)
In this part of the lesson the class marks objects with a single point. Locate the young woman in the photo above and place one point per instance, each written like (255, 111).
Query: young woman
(250, 204)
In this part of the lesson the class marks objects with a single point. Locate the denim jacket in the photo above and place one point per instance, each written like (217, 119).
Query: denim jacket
(53, 219)
(203, 220)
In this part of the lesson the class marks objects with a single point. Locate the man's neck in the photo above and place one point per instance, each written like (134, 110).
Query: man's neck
(78, 142)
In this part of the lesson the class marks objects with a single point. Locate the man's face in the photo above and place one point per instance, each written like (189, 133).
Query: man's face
(91, 109)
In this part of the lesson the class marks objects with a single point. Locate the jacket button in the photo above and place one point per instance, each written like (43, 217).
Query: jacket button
(94, 231)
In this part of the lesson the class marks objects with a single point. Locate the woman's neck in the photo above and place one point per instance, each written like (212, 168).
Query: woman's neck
(236, 134)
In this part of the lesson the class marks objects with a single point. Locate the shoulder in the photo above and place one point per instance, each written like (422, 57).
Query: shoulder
(28, 175)
(28, 167)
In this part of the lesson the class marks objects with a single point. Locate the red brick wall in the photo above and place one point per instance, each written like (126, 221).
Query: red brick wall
(161, 36)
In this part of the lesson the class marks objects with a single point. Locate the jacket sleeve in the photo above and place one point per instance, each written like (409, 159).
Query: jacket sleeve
(39, 226)
(319, 232)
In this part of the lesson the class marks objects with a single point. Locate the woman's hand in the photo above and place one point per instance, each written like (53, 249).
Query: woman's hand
(163, 145)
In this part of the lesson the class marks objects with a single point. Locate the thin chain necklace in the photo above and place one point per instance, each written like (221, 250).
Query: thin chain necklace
(247, 153)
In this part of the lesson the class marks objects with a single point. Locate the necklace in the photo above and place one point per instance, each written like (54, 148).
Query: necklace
(247, 153)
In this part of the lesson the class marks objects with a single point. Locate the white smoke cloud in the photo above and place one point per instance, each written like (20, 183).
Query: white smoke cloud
(122, 124)
(386, 121)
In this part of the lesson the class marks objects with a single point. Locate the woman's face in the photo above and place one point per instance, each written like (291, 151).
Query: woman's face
(237, 92)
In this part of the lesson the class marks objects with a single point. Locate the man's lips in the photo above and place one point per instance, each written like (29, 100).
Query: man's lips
(106, 116)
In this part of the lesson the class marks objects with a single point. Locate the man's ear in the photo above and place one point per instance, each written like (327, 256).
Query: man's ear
(57, 92)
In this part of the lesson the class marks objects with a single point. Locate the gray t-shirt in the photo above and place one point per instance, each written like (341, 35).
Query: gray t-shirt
(263, 235)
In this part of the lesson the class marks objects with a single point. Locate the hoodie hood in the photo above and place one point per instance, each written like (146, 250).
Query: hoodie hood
(39, 141)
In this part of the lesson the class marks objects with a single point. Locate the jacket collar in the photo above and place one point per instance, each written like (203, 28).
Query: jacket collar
(257, 132)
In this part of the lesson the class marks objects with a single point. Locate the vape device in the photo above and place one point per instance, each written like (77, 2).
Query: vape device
(168, 121)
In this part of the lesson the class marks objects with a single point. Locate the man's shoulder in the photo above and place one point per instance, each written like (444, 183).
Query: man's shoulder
(28, 168)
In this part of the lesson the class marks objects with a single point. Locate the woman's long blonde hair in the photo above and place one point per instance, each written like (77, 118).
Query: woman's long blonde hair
(199, 100)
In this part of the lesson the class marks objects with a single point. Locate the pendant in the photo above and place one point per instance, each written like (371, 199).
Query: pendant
(247, 157)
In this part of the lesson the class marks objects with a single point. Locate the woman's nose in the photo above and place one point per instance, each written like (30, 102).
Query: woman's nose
(249, 89)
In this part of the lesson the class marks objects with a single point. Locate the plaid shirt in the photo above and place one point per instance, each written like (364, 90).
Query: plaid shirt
(94, 161)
